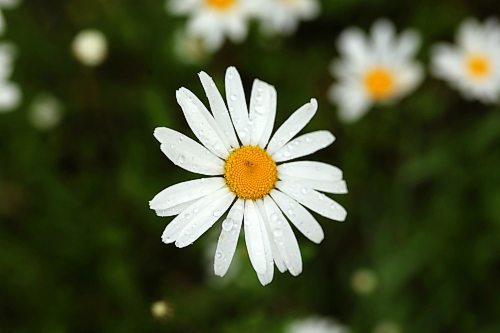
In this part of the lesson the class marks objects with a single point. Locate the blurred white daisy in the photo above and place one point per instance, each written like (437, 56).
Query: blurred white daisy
(90, 47)
(7, 4)
(316, 325)
(45, 112)
(283, 16)
(214, 20)
(472, 65)
(248, 181)
(374, 69)
(10, 95)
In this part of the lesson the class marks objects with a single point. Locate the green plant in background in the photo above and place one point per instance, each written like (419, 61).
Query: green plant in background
(81, 253)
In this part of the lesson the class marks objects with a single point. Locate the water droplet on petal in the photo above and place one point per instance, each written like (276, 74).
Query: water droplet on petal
(234, 97)
(227, 225)
(278, 233)
(218, 255)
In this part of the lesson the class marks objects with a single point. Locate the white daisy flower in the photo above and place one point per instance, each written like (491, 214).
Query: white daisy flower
(374, 69)
(10, 95)
(90, 47)
(214, 20)
(473, 65)
(316, 325)
(251, 180)
(6, 4)
(283, 16)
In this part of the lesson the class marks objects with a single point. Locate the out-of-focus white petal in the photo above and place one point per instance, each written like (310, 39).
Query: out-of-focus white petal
(185, 191)
(180, 6)
(262, 112)
(219, 109)
(238, 110)
(304, 145)
(10, 96)
(313, 200)
(253, 237)
(299, 216)
(187, 153)
(205, 218)
(283, 237)
(353, 45)
(228, 239)
(352, 100)
(202, 123)
(293, 125)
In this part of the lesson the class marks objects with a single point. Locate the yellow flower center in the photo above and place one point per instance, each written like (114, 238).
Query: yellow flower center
(250, 172)
(479, 66)
(220, 4)
(379, 82)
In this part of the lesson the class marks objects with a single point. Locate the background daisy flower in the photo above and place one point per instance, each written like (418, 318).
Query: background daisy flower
(316, 325)
(378, 68)
(10, 95)
(283, 16)
(251, 180)
(8, 4)
(214, 20)
(472, 66)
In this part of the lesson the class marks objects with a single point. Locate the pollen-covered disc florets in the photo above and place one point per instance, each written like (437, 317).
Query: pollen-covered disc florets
(250, 172)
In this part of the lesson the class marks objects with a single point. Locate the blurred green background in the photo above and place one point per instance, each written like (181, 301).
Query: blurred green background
(80, 251)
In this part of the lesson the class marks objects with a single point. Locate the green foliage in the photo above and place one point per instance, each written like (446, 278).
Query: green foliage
(81, 251)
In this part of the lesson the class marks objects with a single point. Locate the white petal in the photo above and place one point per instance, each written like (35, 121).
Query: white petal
(219, 109)
(187, 153)
(253, 237)
(352, 100)
(202, 123)
(299, 216)
(185, 191)
(310, 170)
(304, 145)
(267, 277)
(353, 45)
(206, 217)
(283, 237)
(293, 125)
(238, 110)
(175, 210)
(336, 187)
(313, 200)
(262, 112)
(228, 238)
(175, 226)
(10, 96)
(278, 259)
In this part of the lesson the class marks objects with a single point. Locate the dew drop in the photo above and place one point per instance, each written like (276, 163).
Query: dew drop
(278, 233)
(274, 217)
(260, 109)
(234, 97)
(182, 159)
(227, 225)
(217, 213)
(303, 190)
(218, 255)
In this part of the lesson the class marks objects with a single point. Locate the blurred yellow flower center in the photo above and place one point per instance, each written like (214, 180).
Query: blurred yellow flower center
(220, 4)
(250, 172)
(479, 66)
(379, 82)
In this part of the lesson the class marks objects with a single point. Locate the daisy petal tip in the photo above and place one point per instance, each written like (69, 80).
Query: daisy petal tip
(160, 134)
